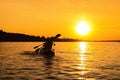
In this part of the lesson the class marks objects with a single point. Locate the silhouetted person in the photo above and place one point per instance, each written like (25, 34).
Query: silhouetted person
(49, 42)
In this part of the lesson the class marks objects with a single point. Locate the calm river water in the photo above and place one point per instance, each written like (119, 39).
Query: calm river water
(72, 61)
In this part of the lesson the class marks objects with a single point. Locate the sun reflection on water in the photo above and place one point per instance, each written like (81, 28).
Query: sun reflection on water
(82, 57)
(82, 66)
(83, 47)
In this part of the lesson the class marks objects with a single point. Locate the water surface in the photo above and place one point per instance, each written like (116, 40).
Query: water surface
(72, 61)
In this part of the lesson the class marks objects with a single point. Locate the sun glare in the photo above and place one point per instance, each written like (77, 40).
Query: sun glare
(83, 28)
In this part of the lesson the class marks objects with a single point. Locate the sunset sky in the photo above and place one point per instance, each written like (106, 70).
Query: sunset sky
(49, 17)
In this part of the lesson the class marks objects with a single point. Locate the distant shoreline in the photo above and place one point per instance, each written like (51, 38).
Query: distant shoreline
(18, 37)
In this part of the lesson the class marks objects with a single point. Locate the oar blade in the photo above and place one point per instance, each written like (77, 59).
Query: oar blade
(36, 47)
(37, 50)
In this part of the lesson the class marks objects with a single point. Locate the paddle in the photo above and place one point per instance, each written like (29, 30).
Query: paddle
(37, 50)
(37, 46)
(58, 35)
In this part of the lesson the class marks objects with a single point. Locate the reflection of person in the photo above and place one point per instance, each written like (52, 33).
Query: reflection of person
(49, 42)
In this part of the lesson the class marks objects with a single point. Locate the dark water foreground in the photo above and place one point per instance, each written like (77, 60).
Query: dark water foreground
(73, 61)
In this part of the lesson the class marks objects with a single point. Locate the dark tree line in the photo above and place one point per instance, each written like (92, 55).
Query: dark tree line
(5, 36)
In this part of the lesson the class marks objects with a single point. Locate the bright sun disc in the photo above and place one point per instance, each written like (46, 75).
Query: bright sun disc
(82, 28)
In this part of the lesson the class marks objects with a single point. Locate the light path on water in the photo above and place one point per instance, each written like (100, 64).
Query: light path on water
(73, 60)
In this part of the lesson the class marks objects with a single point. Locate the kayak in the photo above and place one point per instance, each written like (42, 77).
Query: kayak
(46, 46)
(45, 52)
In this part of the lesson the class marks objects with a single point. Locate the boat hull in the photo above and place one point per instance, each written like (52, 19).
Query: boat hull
(46, 53)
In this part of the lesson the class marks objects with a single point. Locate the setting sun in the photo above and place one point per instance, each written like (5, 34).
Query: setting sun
(83, 28)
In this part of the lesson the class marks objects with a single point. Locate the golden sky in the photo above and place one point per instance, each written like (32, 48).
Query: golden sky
(49, 17)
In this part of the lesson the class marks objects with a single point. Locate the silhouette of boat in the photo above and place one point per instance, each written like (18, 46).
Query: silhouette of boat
(45, 52)
(46, 48)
